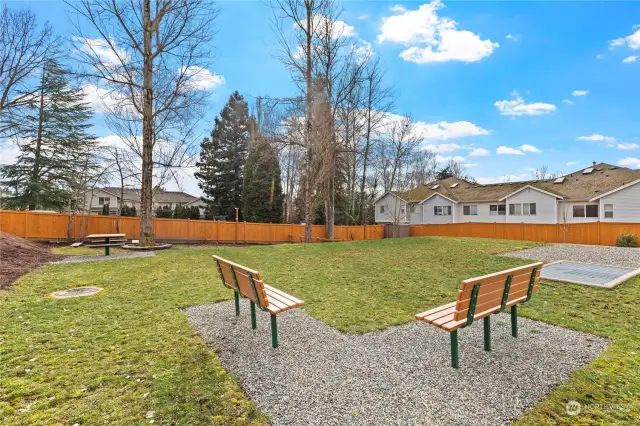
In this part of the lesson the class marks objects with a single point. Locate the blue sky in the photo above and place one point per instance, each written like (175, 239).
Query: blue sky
(502, 86)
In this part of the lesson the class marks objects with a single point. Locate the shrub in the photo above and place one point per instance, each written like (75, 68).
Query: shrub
(627, 240)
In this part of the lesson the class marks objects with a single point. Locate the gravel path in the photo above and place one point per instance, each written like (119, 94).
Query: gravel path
(400, 375)
(80, 259)
(601, 255)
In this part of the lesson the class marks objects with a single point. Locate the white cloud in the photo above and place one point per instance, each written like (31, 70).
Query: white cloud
(518, 107)
(630, 161)
(445, 130)
(628, 146)
(568, 101)
(629, 59)
(363, 50)
(339, 28)
(501, 179)
(599, 56)
(479, 152)
(444, 159)
(112, 141)
(432, 38)
(632, 41)
(579, 92)
(529, 148)
(596, 138)
(9, 152)
(571, 163)
(513, 37)
(505, 150)
(444, 147)
(101, 100)
(469, 165)
(363, 17)
(397, 8)
(97, 47)
(201, 78)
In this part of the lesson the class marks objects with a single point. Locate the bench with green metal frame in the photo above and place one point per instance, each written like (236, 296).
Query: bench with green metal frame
(248, 283)
(481, 297)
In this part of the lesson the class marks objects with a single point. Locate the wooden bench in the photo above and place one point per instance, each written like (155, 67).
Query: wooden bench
(248, 283)
(107, 241)
(481, 297)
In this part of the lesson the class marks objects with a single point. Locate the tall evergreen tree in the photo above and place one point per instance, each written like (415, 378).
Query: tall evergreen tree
(54, 143)
(223, 156)
(262, 189)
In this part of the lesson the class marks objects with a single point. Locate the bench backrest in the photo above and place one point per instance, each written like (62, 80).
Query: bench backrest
(242, 279)
(482, 296)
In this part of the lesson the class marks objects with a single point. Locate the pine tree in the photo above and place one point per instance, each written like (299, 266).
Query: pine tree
(262, 188)
(54, 144)
(222, 158)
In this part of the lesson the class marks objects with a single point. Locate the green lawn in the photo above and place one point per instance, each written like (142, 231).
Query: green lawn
(84, 251)
(129, 350)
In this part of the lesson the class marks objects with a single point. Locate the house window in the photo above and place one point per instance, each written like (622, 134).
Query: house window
(442, 210)
(585, 211)
(401, 210)
(608, 211)
(497, 210)
(524, 209)
(103, 200)
(470, 210)
(381, 209)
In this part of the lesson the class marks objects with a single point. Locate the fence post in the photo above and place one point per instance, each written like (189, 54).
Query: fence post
(26, 228)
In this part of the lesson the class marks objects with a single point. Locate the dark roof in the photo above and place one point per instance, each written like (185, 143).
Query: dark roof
(576, 186)
(159, 196)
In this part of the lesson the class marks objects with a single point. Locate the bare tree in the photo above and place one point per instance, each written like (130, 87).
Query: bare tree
(542, 173)
(378, 101)
(24, 49)
(151, 58)
(394, 152)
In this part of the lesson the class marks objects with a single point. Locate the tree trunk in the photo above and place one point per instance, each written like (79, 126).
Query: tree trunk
(146, 196)
(38, 150)
(365, 157)
(308, 195)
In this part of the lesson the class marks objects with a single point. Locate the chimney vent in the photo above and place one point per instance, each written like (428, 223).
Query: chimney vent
(594, 163)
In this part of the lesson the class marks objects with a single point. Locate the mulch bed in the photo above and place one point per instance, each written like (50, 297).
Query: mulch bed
(19, 256)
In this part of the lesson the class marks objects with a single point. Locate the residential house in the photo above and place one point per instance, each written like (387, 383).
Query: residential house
(601, 192)
(114, 198)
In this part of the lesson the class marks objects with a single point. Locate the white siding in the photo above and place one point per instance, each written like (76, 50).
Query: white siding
(392, 210)
(427, 210)
(626, 205)
(545, 207)
(483, 214)
(415, 218)
(567, 209)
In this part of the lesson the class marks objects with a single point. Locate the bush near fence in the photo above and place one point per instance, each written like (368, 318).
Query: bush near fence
(594, 233)
(65, 226)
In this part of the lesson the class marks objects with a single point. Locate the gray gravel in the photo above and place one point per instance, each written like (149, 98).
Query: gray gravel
(400, 375)
(80, 259)
(601, 255)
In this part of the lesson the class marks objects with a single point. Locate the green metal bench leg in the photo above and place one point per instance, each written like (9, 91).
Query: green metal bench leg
(107, 252)
(487, 333)
(274, 331)
(236, 296)
(514, 320)
(253, 315)
(454, 348)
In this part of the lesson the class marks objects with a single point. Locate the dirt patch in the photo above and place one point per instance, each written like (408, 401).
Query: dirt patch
(19, 256)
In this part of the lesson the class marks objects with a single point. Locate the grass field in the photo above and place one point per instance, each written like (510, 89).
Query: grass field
(84, 251)
(128, 352)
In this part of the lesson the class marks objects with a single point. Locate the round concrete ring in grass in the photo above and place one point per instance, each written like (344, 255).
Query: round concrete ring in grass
(76, 292)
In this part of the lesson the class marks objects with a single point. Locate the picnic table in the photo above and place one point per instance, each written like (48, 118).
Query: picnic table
(107, 241)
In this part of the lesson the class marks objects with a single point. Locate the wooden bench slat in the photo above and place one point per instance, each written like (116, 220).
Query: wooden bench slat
(439, 315)
(278, 299)
(424, 314)
(488, 286)
(282, 293)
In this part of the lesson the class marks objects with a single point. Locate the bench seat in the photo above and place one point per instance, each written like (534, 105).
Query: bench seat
(279, 301)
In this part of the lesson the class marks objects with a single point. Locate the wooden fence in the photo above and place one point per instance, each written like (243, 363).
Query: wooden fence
(65, 226)
(596, 233)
